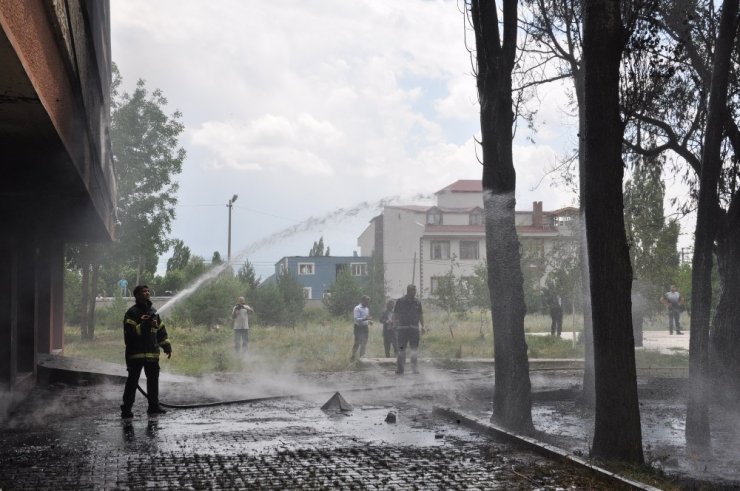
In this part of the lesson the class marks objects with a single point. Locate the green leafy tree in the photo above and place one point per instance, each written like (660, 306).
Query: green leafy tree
(216, 259)
(211, 304)
(180, 256)
(478, 284)
(533, 266)
(652, 240)
(268, 304)
(344, 294)
(72, 300)
(452, 293)
(247, 275)
(147, 157)
(564, 273)
(292, 293)
(318, 249)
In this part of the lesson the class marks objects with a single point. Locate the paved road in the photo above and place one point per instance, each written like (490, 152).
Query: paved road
(72, 438)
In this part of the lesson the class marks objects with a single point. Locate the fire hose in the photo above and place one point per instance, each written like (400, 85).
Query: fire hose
(292, 396)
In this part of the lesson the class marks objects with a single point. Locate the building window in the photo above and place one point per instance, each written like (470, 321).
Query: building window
(440, 249)
(434, 217)
(359, 269)
(476, 218)
(305, 269)
(433, 284)
(307, 293)
(468, 249)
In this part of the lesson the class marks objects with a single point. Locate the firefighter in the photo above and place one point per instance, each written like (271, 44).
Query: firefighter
(144, 333)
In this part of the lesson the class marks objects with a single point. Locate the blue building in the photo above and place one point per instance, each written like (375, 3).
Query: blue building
(318, 273)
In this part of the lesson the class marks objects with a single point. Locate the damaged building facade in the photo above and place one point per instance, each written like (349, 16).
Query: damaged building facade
(57, 181)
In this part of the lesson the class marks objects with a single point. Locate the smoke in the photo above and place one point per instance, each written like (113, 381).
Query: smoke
(334, 217)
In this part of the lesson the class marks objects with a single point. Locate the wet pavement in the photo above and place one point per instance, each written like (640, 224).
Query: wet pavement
(71, 437)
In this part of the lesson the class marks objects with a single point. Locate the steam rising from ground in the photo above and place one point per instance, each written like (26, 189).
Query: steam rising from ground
(310, 223)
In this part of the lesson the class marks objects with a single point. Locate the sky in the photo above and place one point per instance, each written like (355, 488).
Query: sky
(306, 108)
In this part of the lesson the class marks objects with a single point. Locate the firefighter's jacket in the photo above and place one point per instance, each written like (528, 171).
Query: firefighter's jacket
(144, 337)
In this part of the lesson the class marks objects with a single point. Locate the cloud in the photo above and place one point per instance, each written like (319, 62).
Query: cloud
(272, 143)
(304, 106)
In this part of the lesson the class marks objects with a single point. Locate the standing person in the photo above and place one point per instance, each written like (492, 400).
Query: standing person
(389, 330)
(674, 304)
(240, 314)
(123, 285)
(556, 314)
(408, 318)
(361, 315)
(144, 333)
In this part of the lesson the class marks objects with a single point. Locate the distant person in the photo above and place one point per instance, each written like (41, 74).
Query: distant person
(556, 315)
(389, 330)
(674, 305)
(240, 314)
(144, 333)
(123, 285)
(408, 318)
(361, 316)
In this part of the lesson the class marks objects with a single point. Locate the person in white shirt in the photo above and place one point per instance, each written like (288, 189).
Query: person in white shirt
(674, 303)
(361, 316)
(240, 314)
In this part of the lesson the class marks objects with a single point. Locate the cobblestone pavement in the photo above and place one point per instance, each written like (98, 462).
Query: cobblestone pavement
(72, 438)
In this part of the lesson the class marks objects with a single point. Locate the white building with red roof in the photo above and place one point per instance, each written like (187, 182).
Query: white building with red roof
(419, 244)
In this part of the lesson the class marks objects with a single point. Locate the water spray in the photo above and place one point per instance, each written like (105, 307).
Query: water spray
(308, 224)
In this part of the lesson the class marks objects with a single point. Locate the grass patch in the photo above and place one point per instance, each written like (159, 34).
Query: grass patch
(552, 347)
(655, 359)
(323, 343)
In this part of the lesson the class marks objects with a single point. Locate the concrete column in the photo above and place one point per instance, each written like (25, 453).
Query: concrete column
(26, 308)
(8, 315)
(56, 278)
(43, 300)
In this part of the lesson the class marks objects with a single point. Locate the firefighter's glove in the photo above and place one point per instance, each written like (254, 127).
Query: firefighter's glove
(168, 351)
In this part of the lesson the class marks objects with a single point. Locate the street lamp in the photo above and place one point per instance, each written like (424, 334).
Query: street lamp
(229, 205)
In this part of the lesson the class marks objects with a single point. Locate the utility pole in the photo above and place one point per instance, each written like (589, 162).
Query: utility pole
(229, 206)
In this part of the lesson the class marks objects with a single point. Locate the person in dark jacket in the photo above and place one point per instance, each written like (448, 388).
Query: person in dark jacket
(556, 314)
(408, 317)
(144, 334)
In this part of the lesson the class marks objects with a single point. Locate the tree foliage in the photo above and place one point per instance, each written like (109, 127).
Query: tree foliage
(652, 239)
(211, 304)
(247, 275)
(292, 293)
(344, 294)
(180, 256)
(318, 249)
(147, 158)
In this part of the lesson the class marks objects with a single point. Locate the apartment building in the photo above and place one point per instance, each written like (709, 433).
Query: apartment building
(420, 244)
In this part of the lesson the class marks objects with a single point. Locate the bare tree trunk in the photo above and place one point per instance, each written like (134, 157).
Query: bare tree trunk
(617, 433)
(697, 412)
(512, 405)
(725, 334)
